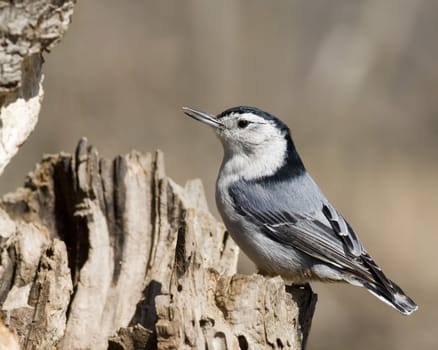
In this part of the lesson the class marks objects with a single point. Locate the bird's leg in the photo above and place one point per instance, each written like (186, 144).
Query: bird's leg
(304, 287)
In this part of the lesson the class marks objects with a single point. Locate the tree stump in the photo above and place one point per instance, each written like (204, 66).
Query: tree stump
(100, 254)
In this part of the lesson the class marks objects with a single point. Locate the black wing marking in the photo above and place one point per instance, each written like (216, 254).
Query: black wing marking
(343, 230)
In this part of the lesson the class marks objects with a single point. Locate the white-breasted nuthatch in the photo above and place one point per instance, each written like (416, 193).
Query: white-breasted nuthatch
(278, 215)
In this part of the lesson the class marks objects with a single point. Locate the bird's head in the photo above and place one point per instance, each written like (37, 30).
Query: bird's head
(259, 144)
(246, 130)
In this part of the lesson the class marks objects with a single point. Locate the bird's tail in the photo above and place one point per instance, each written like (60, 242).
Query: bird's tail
(386, 290)
(393, 295)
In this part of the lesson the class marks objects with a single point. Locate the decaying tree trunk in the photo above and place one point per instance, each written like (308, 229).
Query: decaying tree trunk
(99, 254)
(27, 29)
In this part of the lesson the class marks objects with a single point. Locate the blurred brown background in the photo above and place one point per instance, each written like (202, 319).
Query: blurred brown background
(357, 82)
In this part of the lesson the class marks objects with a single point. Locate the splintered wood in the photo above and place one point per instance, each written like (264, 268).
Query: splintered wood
(27, 29)
(99, 254)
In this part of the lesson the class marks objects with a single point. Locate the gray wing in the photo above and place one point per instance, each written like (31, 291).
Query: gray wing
(304, 220)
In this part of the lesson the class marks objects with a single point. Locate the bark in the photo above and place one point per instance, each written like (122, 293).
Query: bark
(27, 29)
(99, 254)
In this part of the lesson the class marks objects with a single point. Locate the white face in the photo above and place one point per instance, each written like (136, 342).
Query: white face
(248, 133)
(253, 146)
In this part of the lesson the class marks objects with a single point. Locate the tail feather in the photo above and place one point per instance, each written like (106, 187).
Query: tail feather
(385, 289)
(393, 295)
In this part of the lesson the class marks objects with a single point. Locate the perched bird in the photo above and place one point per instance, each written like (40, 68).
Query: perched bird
(277, 214)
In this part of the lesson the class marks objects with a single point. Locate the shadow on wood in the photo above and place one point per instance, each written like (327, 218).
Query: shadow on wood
(99, 254)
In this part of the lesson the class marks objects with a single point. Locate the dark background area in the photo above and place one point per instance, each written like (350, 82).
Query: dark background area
(357, 82)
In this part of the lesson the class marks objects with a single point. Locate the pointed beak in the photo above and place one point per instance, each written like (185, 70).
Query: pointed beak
(203, 117)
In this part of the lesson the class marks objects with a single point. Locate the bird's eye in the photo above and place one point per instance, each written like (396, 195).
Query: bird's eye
(242, 124)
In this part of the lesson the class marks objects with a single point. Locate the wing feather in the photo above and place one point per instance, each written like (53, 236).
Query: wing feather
(321, 233)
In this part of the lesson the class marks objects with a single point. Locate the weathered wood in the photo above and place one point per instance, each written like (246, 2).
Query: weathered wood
(27, 29)
(100, 254)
